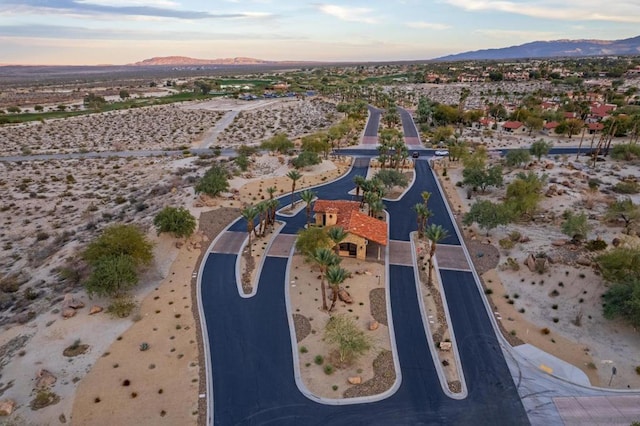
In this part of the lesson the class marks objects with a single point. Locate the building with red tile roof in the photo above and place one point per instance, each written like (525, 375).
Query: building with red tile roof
(360, 227)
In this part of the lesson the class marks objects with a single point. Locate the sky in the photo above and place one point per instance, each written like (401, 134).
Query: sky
(91, 32)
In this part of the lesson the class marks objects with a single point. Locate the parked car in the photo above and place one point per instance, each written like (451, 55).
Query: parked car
(415, 154)
(442, 152)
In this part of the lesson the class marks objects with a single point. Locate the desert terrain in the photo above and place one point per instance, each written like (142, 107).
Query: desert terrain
(50, 209)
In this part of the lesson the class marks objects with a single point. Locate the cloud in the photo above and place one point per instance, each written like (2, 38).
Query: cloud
(148, 8)
(566, 10)
(351, 14)
(428, 25)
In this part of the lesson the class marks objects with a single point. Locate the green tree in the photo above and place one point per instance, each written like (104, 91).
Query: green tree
(351, 342)
(424, 110)
(94, 102)
(458, 151)
(310, 239)
(524, 194)
(112, 275)
(306, 159)
(442, 134)
(294, 175)
(175, 220)
(124, 94)
(391, 178)
(621, 267)
(534, 124)
(483, 178)
(540, 148)
(575, 225)
(422, 216)
(279, 143)
(249, 214)
(307, 196)
(317, 143)
(574, 126)
(336, 275)
(487, 215)
(619, 264)
(214, 181)
(242, 161)
(324, 257)
(120, 240)
(435, 234)
(517, 157)
(391, 116)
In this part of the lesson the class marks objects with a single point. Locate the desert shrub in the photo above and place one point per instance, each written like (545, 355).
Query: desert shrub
(545, 331)
(512, 264)
(596, 245)
(351, 341)
(10, 284)
(121, 307)
(626, 187)
(144, 346)
(175, 220)
(328, 369)
(488, 291)
(44, 398)
(506, 243)
(303, 350)
(319, 359)
(515, 236)
(638, 369)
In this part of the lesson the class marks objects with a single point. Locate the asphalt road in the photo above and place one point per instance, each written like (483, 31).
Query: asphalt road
(251, 352)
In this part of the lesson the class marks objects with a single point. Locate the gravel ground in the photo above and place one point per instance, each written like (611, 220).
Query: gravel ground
(378, 301)
(384, 375)
(302, 326)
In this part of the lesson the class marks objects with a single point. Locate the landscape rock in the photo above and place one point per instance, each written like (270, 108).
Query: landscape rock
(68, 313)
(558, 243)
(373, 325)
(355, 380)
(530, 261)
(344, 296)
(7, 406)
(95, 309)
(445, 346)
(71, 302)
(583, 260)
(45, 379)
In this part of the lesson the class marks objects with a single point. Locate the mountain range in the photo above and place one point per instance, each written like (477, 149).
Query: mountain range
(555, 48)
(184, 61)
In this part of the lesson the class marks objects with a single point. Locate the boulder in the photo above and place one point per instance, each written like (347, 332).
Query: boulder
(345, 296)
(373, 325)
(445, 346)
(45, 379)
(7, 406)
(355, 380)
(583, 260)
(179, 244)
(524, 239)
(68, 313)
(558, 243)
(530, 261)
(95, 309)
(71, 302)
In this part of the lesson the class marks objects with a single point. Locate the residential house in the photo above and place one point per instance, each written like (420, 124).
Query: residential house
(365, 234)
(514, 127)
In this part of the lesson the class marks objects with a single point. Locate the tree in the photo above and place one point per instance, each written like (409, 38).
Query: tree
(93, 101)
(359, 181)
(175, 220)
(335, 276)
(294, 175)
(306, 159)
(540, 148)
(517, 157)
(310, 239)
(351, 342)
(279, 143)
(424, 110)
(124, 94)
(317, 143)
(249, 214)
(574, 126)
(324, 257)
(214, 181)
(422, 216)
(112, 275)
(534, 123)
(391, 116)
(263, 213)
(483, 178)
(524, 194)
(307, 196)
(120, 240)
(435, 234)
(458, 151)
(487, 215)
(621, 267)
(38, 108)
(337, 235)
(575, 225)
(391, 178)
(623, 209)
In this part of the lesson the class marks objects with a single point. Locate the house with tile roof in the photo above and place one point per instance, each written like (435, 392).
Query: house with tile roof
(365, 234)
(514, 127)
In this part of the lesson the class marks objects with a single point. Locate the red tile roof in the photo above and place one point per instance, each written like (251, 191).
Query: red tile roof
(353, 221)
(551, 125)
(512, 125)
(596, 126)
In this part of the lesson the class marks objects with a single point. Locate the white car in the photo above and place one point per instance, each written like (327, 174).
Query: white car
(442, 152)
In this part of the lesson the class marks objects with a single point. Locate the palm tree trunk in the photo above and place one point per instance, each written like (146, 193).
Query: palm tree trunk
(334, 297)
(323, 291)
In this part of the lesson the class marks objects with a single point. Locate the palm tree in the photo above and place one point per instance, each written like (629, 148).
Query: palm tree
(425, 197)
(337, 235)
(307, 196)
(271, 190)
(435, 234)
(272, 205)
(324, 257)
(359, 181)
(249, 214)
(423, 215)
(376, 207)
(294, 175)
(335, 276)
(262, 217)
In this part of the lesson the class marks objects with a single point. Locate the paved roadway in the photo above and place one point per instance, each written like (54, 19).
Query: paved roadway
(251, 353)
(370, 135)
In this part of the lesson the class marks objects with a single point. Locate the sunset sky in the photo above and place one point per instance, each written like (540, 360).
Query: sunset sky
(75, 32)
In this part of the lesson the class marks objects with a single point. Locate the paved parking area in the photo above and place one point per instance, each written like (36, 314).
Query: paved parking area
(400, 253)
(229, 242)
(281, 245)
(599, 410)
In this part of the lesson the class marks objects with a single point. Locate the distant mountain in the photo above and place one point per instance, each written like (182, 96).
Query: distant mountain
(183, 61)
(556, 48)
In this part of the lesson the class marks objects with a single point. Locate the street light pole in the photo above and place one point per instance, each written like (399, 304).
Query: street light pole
(613, 373)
